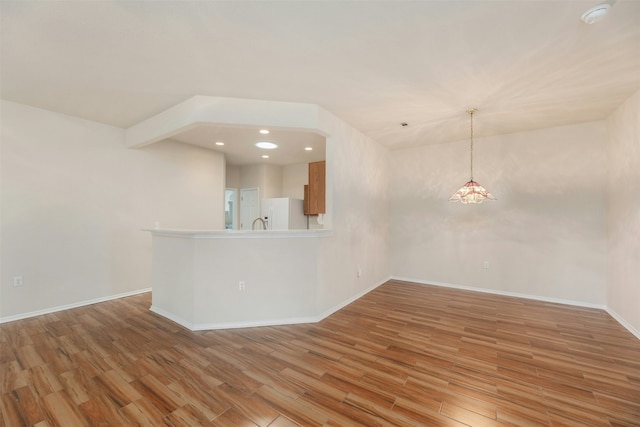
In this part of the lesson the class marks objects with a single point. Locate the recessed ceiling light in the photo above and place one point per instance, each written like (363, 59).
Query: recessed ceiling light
(266, 145)
(264, 156)
(219, 143)
(308, 148)
(596, 13)
(264, 131)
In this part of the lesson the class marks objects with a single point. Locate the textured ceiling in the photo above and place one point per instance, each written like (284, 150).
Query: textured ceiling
(523, 64)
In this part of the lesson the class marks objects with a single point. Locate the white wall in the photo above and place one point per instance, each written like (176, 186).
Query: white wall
(232, 176)
(250, 176)
(358, 212)
(74, 201)
(272, 186)
(294, 178)
(545, 236)
(623, 214)
(268, 178)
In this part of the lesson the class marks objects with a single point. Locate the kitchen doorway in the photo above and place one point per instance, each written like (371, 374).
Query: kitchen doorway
(231, 208)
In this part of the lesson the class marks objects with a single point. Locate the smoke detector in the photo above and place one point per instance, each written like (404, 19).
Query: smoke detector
(596, 13)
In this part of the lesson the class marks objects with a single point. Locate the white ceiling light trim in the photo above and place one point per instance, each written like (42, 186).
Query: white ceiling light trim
(266, 145)
(596, 13)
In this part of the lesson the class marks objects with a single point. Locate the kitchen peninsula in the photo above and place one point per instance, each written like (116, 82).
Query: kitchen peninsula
(230, 279)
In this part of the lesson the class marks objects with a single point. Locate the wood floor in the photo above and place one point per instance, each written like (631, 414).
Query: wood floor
(403, 355)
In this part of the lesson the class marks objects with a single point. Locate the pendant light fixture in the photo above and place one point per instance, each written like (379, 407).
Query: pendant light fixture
(471, 192)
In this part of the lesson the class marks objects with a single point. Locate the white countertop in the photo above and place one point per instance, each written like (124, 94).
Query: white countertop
(239, 234)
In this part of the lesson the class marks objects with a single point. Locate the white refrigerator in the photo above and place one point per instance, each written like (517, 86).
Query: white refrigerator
(283, 213)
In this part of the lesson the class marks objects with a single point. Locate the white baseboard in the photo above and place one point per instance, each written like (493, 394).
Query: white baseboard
(257, 323)
(623, 322)
(229, 325)
(343, 304)
(177, 319)
(69, 306)
(254, 324)
(612, 313)
(314, 319)
(504, 293)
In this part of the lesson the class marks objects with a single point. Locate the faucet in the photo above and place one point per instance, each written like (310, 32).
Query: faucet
(264, 224)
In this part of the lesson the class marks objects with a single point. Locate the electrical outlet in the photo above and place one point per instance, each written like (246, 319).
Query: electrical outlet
(17, 281)
(241, 285)
(358, 272)
(485, 265)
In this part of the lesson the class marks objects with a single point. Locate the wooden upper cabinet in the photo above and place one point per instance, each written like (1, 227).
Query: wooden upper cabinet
(305, 206)
(314, 200)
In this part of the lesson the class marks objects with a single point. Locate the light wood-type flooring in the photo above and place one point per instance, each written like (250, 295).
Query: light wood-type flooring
(403, 355)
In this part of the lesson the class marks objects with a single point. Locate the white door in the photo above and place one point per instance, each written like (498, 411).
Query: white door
(249, 207)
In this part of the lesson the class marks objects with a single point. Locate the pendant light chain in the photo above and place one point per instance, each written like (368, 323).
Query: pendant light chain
(471, 111)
